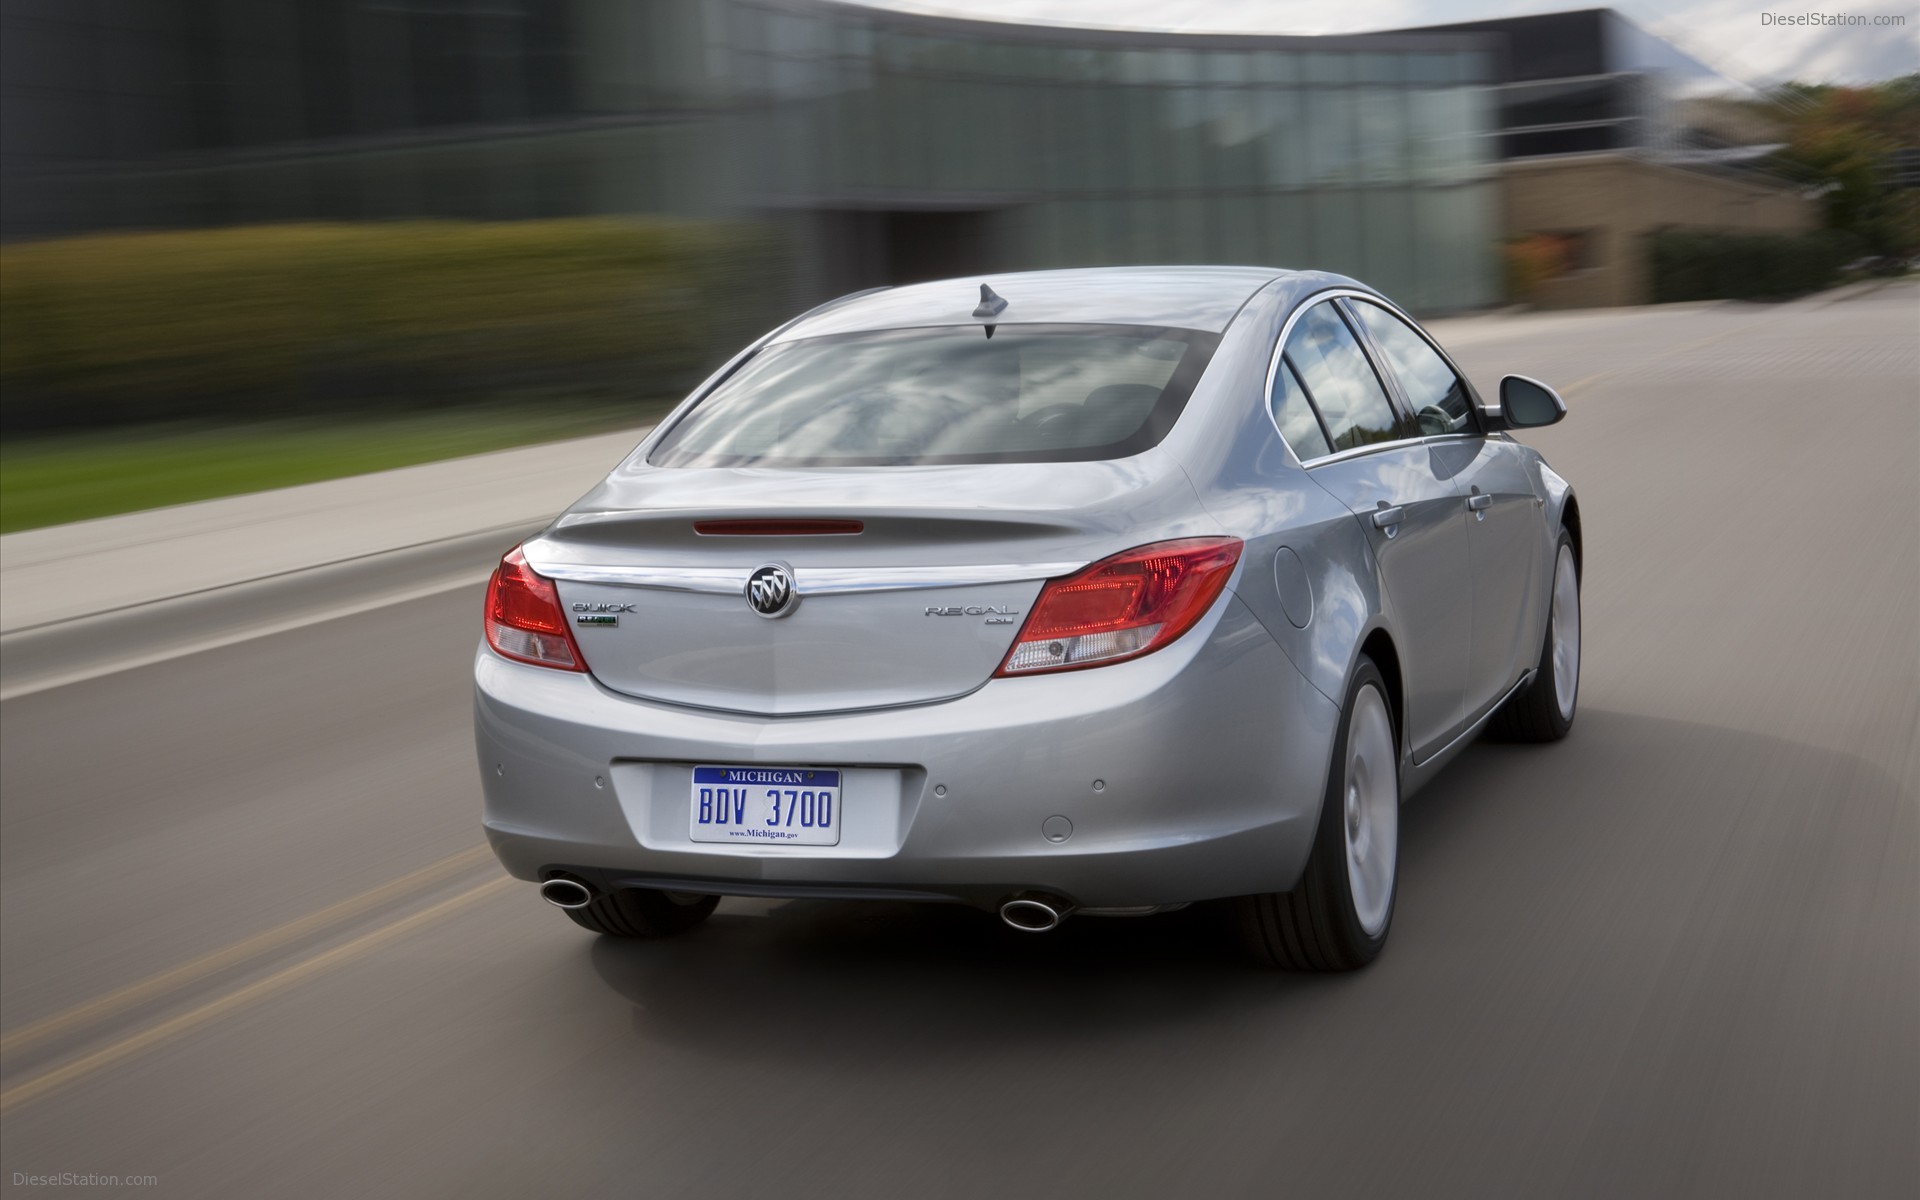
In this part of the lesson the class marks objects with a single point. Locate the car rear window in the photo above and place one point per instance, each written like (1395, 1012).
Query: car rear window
(951, 394)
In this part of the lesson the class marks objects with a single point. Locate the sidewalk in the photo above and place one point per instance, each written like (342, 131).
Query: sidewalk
(65, 572)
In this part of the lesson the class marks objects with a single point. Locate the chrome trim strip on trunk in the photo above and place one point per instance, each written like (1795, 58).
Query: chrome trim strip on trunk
(821, 581)
(808, 581)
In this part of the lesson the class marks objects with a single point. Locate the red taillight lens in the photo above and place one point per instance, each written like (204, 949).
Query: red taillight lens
(1122, 607)
(524, 618)
(783, 527)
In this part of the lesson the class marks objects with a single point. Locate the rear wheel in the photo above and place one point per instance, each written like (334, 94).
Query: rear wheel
(1543, 711)
(1336, 918)
(643, 912)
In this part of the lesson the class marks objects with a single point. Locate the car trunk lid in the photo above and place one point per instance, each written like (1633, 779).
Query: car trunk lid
(922, 604)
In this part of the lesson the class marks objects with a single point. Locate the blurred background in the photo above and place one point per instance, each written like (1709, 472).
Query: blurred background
(236, 233)
(380, 286)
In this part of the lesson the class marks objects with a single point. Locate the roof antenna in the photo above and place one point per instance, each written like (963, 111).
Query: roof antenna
(991, 305)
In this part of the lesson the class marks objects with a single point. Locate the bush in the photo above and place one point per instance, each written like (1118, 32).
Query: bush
(264, 320)
(1695, 265)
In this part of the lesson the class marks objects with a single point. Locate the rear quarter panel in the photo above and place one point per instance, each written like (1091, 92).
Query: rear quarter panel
(1251, 483)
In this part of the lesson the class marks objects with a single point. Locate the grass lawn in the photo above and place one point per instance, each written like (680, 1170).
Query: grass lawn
(55, 478)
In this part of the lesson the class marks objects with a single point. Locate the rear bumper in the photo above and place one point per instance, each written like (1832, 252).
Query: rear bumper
(1192, 773)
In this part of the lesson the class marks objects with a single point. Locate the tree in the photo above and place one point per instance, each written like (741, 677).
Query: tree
(1843, 140)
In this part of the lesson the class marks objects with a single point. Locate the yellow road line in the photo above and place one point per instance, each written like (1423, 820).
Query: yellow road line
(299, 972)
(1582, 384)
(207, 964)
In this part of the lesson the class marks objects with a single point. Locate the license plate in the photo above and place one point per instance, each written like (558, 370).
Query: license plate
(780, 806)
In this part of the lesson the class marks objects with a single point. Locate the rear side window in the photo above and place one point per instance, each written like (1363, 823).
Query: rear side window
(1340, 381)
(950, 394)
(1437, 396)
(1294, 415)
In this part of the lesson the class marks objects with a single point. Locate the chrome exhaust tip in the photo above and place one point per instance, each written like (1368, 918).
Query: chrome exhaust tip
(566, 893)
(1034, 914)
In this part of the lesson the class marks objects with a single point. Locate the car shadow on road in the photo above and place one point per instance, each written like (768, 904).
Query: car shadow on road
(873, 978)
(1534, 866)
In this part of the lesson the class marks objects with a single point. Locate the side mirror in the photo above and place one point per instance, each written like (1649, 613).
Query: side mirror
(1528, 403)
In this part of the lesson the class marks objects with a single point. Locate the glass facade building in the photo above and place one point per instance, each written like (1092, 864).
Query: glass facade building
(889, 146)
(913, 147)
(1590, 81)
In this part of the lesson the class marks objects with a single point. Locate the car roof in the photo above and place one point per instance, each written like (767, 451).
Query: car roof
(1203, 298)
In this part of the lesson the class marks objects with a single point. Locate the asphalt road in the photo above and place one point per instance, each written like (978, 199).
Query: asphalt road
(251, 947)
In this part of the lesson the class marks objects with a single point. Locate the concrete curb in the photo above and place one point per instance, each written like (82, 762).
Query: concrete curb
(108, 564)
(58, 653)
(1845, 292)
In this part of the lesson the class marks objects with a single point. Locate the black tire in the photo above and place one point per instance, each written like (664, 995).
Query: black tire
(643, 913)
(1315, 927)
(1533, 714)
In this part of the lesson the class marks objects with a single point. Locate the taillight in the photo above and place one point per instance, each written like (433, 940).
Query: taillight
(781, 527)
(1122, 607)
(524, 618)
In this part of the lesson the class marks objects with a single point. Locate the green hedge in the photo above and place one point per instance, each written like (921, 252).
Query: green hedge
(263, 320)
(1691, 265)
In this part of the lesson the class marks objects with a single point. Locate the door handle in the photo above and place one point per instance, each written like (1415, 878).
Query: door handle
(1388, 518)
(1479, 500)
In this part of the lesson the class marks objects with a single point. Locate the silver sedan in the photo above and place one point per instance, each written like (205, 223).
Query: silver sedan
(1098, 591)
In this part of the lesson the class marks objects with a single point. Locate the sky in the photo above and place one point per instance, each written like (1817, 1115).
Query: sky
(1727, 35)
